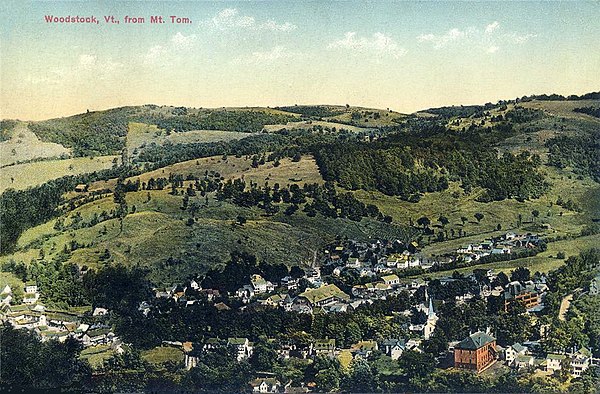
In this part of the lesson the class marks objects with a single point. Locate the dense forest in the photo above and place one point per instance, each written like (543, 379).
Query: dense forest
(89, 134)
(249, 121)
(580, 152)
(313, 111)
(407, 170)
(592, 111)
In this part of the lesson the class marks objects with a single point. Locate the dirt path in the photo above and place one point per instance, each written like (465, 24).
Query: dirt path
(564, 306)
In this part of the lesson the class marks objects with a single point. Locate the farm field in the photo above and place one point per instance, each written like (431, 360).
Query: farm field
(141, 134)
(22, 176)
(25, 145)
(310, 124)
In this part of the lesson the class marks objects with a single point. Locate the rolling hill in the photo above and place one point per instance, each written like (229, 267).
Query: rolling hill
(161, 233)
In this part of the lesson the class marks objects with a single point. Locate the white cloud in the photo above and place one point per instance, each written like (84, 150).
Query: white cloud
(519, 38)
(154, 53)
(178, 43)
(277, 53)
(378, 43)
(441, 41)
(492, 27)
(482, 39)
(181, 41)
(230, 18)
(90, 62)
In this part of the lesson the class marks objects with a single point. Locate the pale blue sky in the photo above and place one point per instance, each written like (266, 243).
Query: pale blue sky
(402, 55)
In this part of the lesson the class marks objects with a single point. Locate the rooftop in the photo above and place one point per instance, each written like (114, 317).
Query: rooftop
(323, 293)
(475, 341)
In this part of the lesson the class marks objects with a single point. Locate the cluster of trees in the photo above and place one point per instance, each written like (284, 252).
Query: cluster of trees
(580, 152)
(89, 134)
(27, 363)
(408, 167)
(251, 121)
(523, 115)
(6, 125)
(316, 199)
(161, 157)
(27, 208)
(313, 111)
(593, 111)
(241, 266)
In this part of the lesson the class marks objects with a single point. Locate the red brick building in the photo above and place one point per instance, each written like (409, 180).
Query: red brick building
(476, 352)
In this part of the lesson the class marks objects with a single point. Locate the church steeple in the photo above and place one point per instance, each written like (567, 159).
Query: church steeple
(430, 310)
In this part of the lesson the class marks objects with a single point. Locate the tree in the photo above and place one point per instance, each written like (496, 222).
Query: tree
(464, 219)
(479, 216)
(423, 221)
(535, 214)
(415, 364)
(241, 220)
(443, 220)
(520, 274)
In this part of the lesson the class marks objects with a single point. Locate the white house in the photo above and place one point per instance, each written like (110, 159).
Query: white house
(260, 285)
(269, 385)
(393, 348)
(553, 362)
(243, 346)
(511, 353)
(391, 280)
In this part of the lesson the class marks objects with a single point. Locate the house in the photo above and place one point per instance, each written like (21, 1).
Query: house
(580, 362)
(391, 280)
(554, 362)
(393, 348)
(194, 285)
(527, 295)
(100, 336)
(31, 293)
(323, 295)
(323, 346)
(476, 352)
(260, 285)
(364, 349)
(243, 346)
(268, 385)
(289, 283)
(511, 353)
(523, 361)
(99, 311)
(353, 262)
(81, 188)
(6, 295)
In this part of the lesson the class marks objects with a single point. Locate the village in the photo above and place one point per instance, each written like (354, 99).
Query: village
(350, 276)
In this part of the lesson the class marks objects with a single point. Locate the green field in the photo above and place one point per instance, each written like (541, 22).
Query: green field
(97, 355)
(310, 124)
(141, 134)
(22, 176)
(162, 355)
(25, 145)
(505, 213)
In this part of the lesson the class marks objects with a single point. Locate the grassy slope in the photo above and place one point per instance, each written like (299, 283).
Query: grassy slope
(24, 145)
(585, 192)
(140, 134)
(158, 229)
(22, 176)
